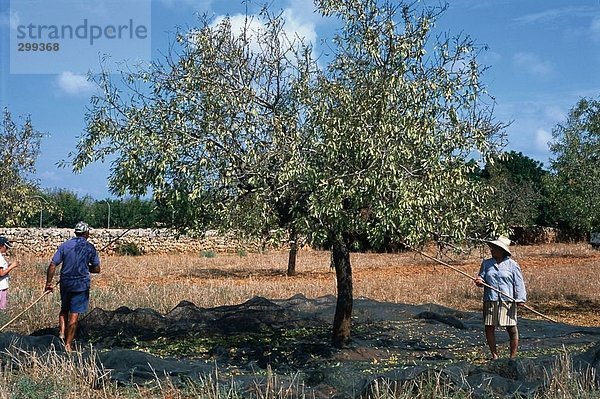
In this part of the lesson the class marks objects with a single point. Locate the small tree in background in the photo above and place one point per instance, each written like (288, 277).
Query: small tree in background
(519, 187)
(19, 149)
(67, 209)
(575, 182)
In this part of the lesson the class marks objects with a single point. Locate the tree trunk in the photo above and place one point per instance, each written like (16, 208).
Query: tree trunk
(291, 270)
(343, 309)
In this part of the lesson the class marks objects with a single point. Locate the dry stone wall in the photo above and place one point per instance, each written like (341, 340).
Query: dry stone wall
(44, 241)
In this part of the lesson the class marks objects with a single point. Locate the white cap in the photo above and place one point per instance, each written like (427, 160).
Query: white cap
(82, 227)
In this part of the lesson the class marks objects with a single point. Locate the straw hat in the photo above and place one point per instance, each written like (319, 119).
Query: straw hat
(501, 242)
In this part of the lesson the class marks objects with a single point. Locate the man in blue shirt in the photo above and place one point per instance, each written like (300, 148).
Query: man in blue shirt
(79, 258)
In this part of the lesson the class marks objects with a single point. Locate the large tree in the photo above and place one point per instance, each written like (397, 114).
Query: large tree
(397, 116)
(575, 184)
(19, 149)
(247, 128)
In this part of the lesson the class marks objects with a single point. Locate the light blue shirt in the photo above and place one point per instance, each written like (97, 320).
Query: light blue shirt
(506, 277)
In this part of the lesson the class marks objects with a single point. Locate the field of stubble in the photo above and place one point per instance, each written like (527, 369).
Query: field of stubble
(562, 281)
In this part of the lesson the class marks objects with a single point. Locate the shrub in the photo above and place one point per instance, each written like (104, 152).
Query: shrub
(208, 254)
(129, 248)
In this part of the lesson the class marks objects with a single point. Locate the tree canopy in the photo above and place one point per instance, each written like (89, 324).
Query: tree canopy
(247, 131)
(65, 208)
(520, 188)
(575, 186)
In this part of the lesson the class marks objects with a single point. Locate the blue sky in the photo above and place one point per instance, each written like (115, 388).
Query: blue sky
(543, 56)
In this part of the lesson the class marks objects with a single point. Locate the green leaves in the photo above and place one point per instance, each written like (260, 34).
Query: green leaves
(19, 149)
(246, 132)
(248, 128)
(215, 129)
(394, 130)
(575, 184)
(519, 186)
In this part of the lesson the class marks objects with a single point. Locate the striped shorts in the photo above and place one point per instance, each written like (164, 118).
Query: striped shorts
(499, 314)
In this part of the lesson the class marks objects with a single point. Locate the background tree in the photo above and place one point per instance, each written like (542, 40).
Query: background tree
(63, 209)
(67, 209)
(240, 127)
(575, 182)
(125, 213)
(19, 149)
(520, 190)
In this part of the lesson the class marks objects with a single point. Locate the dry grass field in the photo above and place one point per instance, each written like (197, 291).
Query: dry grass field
(562, 281)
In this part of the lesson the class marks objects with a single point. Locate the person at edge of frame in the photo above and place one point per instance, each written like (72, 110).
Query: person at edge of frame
(79, 258)
(5, 269)
(504, 274)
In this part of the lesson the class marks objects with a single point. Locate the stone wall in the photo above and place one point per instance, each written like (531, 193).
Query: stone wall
(44, 241)
(163, 241)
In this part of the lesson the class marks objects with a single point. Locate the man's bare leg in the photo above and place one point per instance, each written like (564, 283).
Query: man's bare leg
(62, 316)
(70, 331)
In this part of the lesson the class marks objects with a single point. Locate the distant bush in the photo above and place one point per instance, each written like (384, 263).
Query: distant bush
(242, 252)
(208, 254)
(129, 249)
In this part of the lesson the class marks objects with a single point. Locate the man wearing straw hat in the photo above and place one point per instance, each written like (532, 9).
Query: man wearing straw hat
(5, 268)
(79, 258)
(504, 275)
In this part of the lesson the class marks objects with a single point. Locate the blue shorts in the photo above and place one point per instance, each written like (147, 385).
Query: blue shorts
(74, 301)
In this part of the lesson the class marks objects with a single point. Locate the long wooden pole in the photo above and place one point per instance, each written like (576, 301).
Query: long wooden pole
(484, 284)
(8, 323)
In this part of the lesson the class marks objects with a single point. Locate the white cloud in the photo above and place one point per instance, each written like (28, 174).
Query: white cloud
(490, 57)
(294, 28)
(74, 85)
(477, 4)
(533, 64)
(302, 10)
(49, 176)
(555, 114)
(297, 27)
(557, 14)
(533, 122)
(542, 138)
